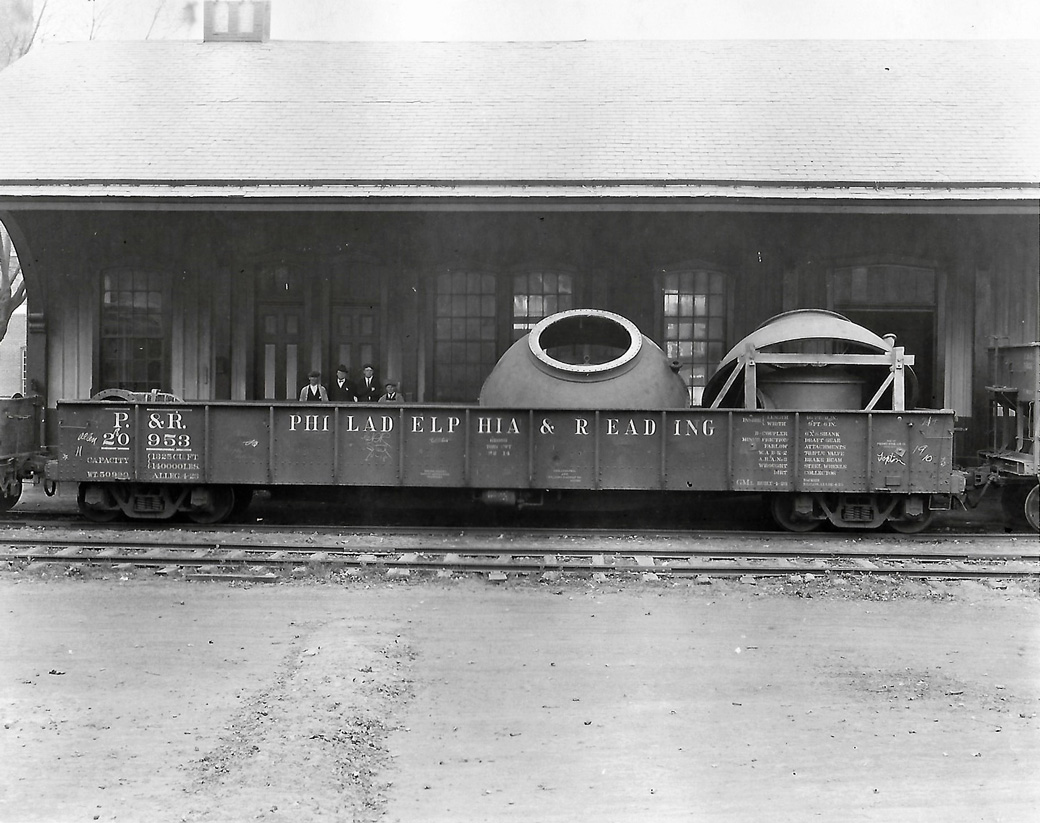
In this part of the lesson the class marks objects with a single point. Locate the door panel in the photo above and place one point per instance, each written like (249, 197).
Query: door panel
(281, 371)
(355, 337)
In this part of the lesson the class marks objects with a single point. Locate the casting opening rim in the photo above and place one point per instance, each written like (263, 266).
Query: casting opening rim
(634, 335)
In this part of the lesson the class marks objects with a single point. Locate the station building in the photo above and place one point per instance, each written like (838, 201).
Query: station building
(214, 219)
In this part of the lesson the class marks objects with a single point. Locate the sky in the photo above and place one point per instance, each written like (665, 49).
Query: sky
(442, 20)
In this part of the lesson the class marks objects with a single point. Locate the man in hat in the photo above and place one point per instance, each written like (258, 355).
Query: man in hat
(390, 395)
(342, 390)
(367, 389)
(314, 392)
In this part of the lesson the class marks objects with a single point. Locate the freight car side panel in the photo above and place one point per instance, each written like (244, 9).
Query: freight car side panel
(697, 451)
(833, 452)
(499, 448)
(97, 442)
(631, 453)
(238, 448)
(911, 453)
(171, 444)
(434, 447)
(367, 447)
(303, 446)
(565, 450)
(287, 444)
(19, 426)
(763, 458)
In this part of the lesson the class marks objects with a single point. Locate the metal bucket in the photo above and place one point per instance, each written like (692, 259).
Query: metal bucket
(818, 389)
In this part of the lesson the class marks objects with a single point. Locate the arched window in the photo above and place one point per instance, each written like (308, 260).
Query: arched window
(133, 339)
(693, 306)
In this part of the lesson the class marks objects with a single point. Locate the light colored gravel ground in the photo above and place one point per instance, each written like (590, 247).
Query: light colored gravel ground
(458, 700)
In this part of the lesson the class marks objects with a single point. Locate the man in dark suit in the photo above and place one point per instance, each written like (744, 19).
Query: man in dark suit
(342, 390)
(368, 389)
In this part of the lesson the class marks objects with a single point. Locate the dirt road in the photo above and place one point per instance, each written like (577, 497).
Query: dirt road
(459, 700)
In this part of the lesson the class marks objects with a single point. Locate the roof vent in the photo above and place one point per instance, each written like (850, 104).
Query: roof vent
(242, 21)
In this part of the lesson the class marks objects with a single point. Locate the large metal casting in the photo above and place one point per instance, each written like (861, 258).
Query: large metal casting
(585, 359)
(841, 366)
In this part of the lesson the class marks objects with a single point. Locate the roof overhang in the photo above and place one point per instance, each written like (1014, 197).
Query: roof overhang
(515, 196)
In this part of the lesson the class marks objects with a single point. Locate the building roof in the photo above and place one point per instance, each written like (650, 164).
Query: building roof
(738, 118)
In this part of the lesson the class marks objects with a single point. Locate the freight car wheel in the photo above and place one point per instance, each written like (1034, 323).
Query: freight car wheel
(10, 497)
(913, 525)
(1013, 502)
(219, 506)
(96, 503)
(782, 507)
(1032, 508)
(243, 498)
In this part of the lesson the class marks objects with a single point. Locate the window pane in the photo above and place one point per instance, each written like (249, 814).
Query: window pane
(465, 330)
(132, 344)
(688, 299)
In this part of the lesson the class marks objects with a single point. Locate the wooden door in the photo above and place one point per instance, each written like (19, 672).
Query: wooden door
(281, 366)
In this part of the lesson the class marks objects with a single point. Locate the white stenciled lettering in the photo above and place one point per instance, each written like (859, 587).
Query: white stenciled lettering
(309, 422)
(166, 420)
(431, 425)
(694, 428)
(647, 427)
(581, 425)
(497, 425)
(547, 427)
(383, 424)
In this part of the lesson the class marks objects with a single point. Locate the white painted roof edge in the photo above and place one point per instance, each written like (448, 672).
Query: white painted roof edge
(245, 191)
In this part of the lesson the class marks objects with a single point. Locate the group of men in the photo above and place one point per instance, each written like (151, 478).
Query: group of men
(343, 390)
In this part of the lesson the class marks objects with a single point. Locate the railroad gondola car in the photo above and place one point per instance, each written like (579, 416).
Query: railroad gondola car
(582, 405)
(20, 454)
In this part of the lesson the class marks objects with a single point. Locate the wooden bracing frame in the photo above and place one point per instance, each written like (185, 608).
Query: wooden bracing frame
(896, 360)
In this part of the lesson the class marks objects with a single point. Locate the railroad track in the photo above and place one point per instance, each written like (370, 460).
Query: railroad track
(499, 554)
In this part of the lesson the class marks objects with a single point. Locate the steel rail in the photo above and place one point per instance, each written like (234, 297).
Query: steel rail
(17, 520)
(498, 561)
(565, 544)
